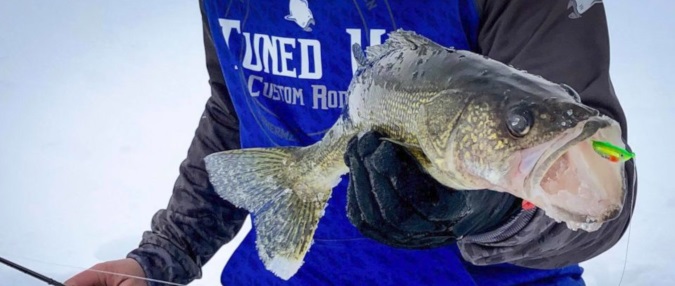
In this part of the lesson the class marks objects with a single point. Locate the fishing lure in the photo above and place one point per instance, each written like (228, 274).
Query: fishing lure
(612, 152)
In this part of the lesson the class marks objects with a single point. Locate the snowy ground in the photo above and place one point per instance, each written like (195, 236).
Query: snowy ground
(99, 101)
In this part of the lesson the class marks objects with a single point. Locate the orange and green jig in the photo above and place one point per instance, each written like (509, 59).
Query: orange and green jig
(612, 152)
(604, 149)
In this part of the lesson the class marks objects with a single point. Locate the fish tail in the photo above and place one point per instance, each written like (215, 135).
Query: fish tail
(283, 191)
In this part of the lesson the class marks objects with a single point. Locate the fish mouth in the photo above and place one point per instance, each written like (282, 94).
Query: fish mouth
(539, 159)
(572, 183)
(564, 142)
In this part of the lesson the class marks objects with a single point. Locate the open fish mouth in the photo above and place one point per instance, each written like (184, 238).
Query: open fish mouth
(572, 183)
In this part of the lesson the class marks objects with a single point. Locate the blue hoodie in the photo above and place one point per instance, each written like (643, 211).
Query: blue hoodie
(278, 75)
(287, 68)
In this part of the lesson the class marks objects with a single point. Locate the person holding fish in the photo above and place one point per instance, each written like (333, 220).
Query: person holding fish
(432, 158)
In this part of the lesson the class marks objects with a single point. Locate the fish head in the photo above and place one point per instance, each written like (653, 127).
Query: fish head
(554, 165)
(486, 125)
(536, 143)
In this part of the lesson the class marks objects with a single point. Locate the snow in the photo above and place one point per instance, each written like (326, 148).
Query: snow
(99, 101)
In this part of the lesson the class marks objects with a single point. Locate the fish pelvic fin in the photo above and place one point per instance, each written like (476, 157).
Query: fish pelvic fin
(285, 202)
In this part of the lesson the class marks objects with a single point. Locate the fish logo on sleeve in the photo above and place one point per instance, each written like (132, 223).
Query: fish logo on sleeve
(300, 14)
(580, 6)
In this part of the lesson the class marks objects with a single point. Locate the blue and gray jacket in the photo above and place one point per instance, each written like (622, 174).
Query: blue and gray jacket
(279, 74)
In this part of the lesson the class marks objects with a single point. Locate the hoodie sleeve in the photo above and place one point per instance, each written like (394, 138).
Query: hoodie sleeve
(196, 222)
(566, 42)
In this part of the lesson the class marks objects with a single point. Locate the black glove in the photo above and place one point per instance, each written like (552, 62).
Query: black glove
(392, 200)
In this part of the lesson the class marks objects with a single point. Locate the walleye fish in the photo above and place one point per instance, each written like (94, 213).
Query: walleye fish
(472, 122)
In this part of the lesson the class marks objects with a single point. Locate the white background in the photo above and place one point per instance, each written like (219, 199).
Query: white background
(99, 101)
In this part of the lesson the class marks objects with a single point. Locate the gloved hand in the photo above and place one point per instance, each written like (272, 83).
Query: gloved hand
(392, 200)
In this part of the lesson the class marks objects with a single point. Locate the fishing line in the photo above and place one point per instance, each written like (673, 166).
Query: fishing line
(93, 270)
(625, 258)
(136, 277)
(631, 212)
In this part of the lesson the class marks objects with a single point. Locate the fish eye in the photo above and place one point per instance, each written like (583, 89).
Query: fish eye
(519, 123)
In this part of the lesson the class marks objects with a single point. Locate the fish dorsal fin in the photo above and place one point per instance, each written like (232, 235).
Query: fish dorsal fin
(397, 41)
(359, 55)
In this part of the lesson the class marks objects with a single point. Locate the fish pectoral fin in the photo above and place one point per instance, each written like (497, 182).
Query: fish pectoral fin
(406, 145)
(415, 150)
(285, 206)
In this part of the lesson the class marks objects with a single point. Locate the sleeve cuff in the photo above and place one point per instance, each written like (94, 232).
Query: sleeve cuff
(514, 225)
(162, 260)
